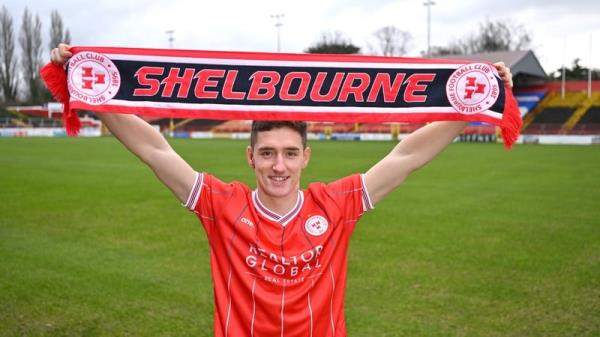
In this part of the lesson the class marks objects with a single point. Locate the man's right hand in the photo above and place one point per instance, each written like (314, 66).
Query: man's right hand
(60, 54)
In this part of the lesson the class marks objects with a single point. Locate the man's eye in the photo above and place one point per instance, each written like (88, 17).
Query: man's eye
(266, 153)
(292, 154)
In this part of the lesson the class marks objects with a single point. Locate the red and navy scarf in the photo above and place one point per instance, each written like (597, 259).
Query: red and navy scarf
(275, 86)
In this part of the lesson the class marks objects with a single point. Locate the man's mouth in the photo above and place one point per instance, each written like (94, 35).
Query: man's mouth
(279, 178)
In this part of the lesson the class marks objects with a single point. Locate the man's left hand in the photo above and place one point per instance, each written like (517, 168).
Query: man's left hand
(504, 73)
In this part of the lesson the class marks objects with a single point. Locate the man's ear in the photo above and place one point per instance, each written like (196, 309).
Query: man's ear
(250, 156)
(307, 151)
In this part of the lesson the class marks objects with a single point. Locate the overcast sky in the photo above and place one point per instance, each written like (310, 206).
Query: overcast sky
(561, 30)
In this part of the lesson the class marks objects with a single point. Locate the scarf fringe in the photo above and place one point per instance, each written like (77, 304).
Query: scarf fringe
(511, 119)
(55, 78)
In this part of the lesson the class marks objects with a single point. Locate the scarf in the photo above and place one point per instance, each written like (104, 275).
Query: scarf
(276, 86)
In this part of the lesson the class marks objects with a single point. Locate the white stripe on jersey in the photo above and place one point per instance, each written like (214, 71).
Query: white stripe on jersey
(229, 304)
(367, 203)
(253, 308)
(311, 315)
(191, 193)
(282, 304)
(331, 303)
(269, 214)
(194, 194)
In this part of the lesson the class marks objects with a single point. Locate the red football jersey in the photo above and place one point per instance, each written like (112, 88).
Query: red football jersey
(273, 274)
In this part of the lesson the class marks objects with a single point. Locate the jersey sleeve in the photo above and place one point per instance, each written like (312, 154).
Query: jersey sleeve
(207, 197)
(351, 196)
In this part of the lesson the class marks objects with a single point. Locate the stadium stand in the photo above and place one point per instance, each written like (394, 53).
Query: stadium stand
(5, 119)
(528, 100)
(328, 128)
(549, 121)
(582, 110)
(558, 114)
(35, 116)
(233, 126)
(4, 113)
(591, 117)
(393, 128)
(377, 128)
(198, 125)
(589, 124)
(182, 125)
(554, 116)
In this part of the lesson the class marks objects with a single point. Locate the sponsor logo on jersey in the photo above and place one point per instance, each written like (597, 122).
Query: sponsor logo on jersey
(273, 266)
(316, 225)
(473, 88)
(248, 222)
(94, 79)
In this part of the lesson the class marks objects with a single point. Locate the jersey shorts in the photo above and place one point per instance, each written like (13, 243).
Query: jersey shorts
(279, 274)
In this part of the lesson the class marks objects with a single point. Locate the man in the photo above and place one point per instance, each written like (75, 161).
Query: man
(279, 254)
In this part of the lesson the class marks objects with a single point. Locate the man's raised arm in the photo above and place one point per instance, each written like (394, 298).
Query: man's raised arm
(145, 142)
(409, 155)
(416, 150)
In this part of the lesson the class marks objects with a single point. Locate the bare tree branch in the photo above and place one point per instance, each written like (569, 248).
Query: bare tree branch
(333, 43)
(392, 41)
(491, 36)
(30, 40)
(8, 61)
(57, 30)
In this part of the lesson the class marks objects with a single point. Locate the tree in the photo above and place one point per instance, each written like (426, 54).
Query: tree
(57, 30)
(576, 72)
(67, 37)
(438, 51)
(333, 43)
(490, 37)
(8, 61)
(30, 40)
(392, 41)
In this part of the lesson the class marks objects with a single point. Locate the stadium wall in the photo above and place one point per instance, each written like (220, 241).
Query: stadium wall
(95, 132)
(46, 132)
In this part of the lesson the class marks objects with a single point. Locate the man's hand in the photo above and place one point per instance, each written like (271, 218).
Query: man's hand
(504, 73)
(60, 54)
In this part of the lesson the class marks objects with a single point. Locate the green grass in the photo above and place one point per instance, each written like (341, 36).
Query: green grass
(482, 242)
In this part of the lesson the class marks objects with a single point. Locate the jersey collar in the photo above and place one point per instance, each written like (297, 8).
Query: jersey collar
(269, 214)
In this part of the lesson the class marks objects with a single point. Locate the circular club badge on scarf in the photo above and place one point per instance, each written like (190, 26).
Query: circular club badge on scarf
(473, 88)
(93, 78)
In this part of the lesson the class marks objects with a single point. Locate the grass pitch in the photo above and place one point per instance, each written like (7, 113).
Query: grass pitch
(481, 242)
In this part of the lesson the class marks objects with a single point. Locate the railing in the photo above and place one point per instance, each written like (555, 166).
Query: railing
(11, 122)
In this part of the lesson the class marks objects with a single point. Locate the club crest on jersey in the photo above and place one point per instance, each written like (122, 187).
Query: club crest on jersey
(316, 225)
(473, 88)
(93, 78)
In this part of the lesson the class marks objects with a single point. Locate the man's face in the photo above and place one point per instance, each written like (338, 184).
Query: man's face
(278, 159)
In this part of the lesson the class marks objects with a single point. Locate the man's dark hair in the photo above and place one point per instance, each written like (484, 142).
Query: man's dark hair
(259, 126)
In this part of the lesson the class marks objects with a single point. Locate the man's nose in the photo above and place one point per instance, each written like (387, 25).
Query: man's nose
(279, 165)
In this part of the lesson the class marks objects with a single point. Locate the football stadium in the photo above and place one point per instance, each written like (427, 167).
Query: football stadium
(482, 241)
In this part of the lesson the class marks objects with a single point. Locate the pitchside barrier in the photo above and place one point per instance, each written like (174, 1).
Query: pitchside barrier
(46, 132)
(523, 139)
(559, 139)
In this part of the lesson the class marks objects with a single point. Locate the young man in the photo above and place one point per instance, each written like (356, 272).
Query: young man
(279, 254)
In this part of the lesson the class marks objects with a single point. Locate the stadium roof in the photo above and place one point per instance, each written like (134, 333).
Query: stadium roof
(522, 62)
